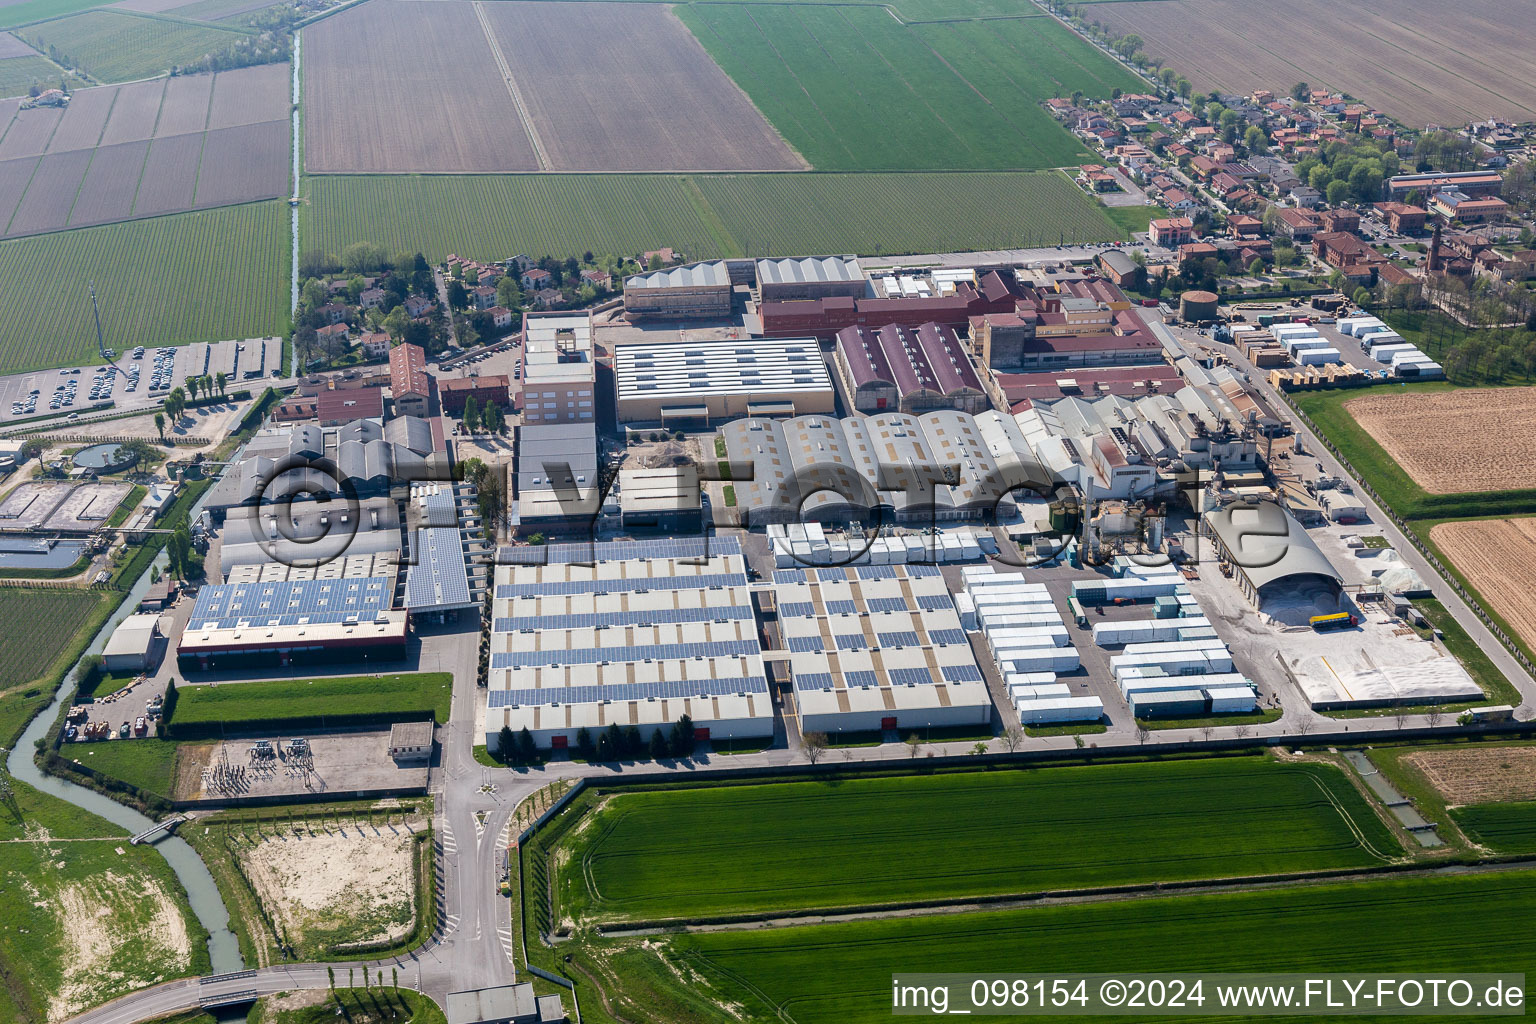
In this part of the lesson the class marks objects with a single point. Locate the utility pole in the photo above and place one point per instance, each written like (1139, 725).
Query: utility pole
(101, 345)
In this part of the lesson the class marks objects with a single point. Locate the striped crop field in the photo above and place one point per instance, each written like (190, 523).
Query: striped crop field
(793, 846)
(116, 46)
(841, 973)
(495, 216)
(1502, 828)
(852, 88)
(200, 276)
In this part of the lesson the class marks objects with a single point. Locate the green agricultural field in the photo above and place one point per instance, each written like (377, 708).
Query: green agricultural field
(841, 973)
(1503, 828)
(188, 277)
(854, 89)
(28, 11)
(491, 216)
(42, 633)
(85, 921)
(116, 46)
(312, 700)
(786, 846)
(18, 74)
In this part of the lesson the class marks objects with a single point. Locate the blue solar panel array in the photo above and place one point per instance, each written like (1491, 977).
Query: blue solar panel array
(440, 577)
(887, 604)
(621, 550)
(563, 588)
(814, 681)
(789, 576)
(648, 617)
(909, 676)
(672, 689)
(934, 602)
(898, 638)
(842, 608)
(862, 677)
(633, 652)
(947, 636)
(876, 572)
(962, 673)
(919, 571)
(850, 642)
(796, 609)
(802, 644)
(286, 602)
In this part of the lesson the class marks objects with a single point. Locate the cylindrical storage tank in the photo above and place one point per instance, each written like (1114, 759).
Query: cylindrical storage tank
(1198, 305)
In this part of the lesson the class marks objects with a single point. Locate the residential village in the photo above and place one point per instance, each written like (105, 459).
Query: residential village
(1293, 192)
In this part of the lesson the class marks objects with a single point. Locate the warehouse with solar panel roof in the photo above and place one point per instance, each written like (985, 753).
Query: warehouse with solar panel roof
(324, 559)
(627, 633)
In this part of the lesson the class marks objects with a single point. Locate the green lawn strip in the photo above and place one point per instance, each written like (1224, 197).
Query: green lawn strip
(1133, 219)
(120, 514)
(1503, 828)
(784, 846)
(1479, 922)
(36, 10)
(123, 887)
(1260, 717)
(288, 702)
(1067, 729)
(146, 764)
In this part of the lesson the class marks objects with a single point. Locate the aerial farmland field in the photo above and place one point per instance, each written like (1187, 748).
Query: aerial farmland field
(1406, 59)
(1438, 438)
(116, 46)
(248, 150)
(841, 973)
(852, 88)
(229, 265)
(788, 846)
(703, 216)
(245, 162)
(402, 86)
(642, 65)
(18, 74)
(1498, 558)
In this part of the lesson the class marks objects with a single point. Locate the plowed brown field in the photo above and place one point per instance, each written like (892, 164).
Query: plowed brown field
(1498, 558)
(1446, 442)
(1414, 59)
(1480, 776)
(405, 86)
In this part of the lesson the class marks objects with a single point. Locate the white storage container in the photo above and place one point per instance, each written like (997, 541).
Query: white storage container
(967, 609)
(1318, 356)
(1039, 659)
(1061, 709)
(1045, 692)
(1012, 679)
